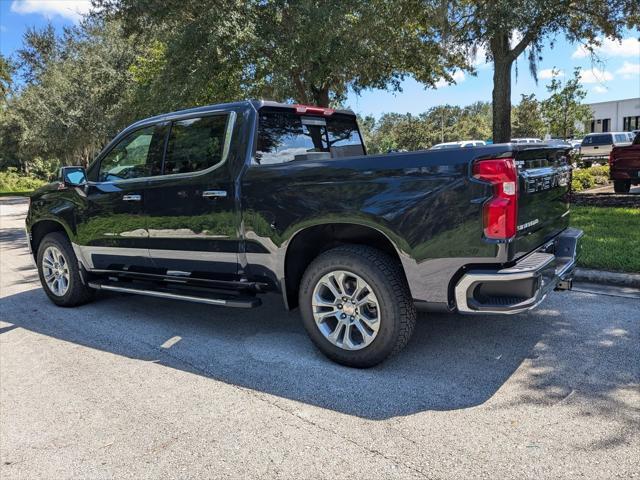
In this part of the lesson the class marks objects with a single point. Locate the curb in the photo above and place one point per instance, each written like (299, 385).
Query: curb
(607, 278)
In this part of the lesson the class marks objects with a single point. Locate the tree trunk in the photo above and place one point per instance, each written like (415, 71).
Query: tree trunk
(501, 101)
(502, 61)
(320, 96)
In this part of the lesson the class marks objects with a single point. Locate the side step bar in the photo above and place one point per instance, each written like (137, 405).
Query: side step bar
(232, 301)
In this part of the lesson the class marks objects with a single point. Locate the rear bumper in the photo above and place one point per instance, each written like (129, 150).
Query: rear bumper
(632, 175)
(523, 286)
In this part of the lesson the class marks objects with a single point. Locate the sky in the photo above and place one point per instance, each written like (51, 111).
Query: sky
(615, 77)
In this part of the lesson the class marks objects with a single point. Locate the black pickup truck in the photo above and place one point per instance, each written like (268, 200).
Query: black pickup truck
(219, 204)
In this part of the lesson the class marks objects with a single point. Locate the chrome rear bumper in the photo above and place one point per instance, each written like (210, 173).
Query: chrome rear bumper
(523, 286)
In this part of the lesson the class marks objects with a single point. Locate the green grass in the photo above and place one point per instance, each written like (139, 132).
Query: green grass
(611, 237)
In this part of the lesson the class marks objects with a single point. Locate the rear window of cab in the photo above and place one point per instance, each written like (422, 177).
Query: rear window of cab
(285, 135)
(603, 139)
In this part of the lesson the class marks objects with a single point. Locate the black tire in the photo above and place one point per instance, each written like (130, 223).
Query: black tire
(77, 292)
(621, 186)
(385, 276)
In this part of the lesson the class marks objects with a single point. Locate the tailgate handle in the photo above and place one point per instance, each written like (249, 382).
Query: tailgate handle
(132, 198)
(214, 193)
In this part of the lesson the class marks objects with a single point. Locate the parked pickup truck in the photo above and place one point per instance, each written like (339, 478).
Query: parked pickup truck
(624, 166)
(222, 203)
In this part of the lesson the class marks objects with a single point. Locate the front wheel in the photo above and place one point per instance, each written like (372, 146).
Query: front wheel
(621, 186)
(356, 305)
(59, 272)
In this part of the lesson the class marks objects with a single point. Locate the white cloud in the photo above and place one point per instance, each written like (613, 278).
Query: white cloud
(628, 47)
(3, 28)
(71, 9)
(458, 76)
(629, 71)
(600, 89)
(547, 73)
(595, 75)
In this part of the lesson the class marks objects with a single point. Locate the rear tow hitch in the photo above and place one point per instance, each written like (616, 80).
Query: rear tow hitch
(564, 285)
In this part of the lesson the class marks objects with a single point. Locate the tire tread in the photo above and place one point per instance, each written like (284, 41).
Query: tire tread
(391, 270)
(79, 293)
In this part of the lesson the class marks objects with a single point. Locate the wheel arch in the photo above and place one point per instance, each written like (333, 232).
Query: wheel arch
(43, 227)
(310, 242)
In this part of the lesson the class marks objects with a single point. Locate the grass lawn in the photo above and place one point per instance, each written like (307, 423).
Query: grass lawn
(611, 237)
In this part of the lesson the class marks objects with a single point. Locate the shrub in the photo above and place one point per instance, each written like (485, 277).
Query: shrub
(585, 178)
(11, 181)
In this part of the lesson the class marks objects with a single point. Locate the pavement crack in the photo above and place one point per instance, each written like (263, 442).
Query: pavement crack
(262, 398)
(372, 451)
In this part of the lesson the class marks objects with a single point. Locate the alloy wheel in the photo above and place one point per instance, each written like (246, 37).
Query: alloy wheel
(55, 270)
(346, 310)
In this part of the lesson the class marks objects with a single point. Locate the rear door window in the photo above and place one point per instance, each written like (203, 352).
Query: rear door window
(622, 138)
(195, 144)
(284, 136)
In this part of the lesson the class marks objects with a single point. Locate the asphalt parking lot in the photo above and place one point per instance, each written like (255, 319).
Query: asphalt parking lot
(137, 387)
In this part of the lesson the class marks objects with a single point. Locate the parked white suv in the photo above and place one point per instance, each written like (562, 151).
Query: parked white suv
(526, 140)
(601, 144)
(462, 144)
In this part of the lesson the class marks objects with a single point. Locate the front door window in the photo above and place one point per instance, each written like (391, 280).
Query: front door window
(138, 155)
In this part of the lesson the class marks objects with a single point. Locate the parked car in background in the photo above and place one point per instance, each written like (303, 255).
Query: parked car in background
(624, 166)
(461, 144)
(526, 140)
(575, 145)
(598, 145)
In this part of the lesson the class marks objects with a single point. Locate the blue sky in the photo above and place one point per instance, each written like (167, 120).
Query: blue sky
(617, 77)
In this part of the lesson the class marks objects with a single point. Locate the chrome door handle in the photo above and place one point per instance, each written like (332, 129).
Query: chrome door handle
(132, 198)
(214, 193)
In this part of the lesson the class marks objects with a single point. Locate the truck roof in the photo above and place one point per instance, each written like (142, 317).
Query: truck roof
(257, 104)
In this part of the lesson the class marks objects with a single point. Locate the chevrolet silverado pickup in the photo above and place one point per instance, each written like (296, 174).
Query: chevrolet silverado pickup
(223, 203)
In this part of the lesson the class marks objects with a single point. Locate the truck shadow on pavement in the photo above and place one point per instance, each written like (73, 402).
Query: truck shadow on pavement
(452, 361)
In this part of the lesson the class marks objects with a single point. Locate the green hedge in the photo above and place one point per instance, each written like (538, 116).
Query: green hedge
(13, 182)
(585, 178)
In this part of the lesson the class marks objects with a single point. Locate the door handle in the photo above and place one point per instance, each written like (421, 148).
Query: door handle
(214, 193)
(132, 198)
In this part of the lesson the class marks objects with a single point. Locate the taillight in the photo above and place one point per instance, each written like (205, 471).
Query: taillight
(500, 212)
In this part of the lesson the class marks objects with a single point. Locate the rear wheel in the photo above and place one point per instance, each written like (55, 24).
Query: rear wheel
(621, 186)
(59, 272)
(356, 305)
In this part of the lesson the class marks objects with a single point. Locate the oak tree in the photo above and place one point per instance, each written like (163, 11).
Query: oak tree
(505, 29)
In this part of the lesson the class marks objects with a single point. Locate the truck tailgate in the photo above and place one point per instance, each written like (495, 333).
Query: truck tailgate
(543, 195)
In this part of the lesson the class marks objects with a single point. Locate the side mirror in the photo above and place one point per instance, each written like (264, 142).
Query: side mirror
(73, 176)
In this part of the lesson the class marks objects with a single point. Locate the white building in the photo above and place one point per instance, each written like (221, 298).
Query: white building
(615, 116)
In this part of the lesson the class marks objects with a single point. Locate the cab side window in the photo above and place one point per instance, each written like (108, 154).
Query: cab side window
(195, 144)
(137, 155)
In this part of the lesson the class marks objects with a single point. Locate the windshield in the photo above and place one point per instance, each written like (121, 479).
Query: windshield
(284, 136)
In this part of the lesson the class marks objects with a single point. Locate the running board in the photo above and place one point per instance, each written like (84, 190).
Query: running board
(238, 302)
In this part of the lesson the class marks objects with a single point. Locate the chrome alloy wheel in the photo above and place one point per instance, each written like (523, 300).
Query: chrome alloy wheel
(346, 310)
(55, 271)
